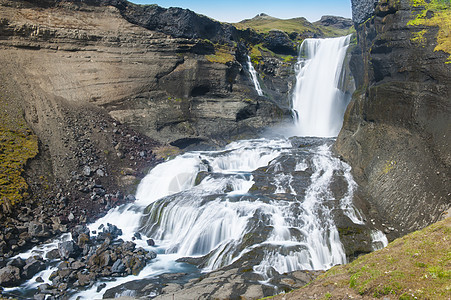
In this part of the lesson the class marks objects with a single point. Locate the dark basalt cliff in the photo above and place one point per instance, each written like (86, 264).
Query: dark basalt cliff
(396, 133)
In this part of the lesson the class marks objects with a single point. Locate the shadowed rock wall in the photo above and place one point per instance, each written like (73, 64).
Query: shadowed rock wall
(396, 131)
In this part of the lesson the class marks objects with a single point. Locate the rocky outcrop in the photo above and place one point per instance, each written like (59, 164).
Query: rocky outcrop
(396, 129)
(231, 282)
(154, 69)
(362, 10)
(336, 22)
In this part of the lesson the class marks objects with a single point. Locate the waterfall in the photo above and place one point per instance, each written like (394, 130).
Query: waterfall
(317, 100)
(254, 77)
(273, 202)
(215, 216)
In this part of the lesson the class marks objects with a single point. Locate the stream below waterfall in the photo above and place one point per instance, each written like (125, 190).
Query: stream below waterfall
(275, 201)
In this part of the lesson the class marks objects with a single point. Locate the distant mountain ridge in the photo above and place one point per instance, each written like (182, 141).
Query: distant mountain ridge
(327, 26)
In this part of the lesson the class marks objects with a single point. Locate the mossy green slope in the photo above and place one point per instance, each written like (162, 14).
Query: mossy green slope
(17, 145)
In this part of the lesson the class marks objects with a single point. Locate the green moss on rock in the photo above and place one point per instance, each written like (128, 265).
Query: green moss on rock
(17, 145)
(222, 55)
(436, 13)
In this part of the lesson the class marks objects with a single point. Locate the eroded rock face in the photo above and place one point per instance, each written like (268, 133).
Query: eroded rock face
(362, 10)
(147, 66)
(396, 129)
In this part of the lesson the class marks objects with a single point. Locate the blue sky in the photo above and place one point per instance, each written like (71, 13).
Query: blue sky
(238, 10)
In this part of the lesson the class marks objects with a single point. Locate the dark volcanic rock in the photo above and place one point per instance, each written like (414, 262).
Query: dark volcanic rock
(68, 249)
(362, 10)
(118, 266)
(175, 21)
(395, 132)
(279, 42)
(37, 229)
(9, 276)
(334, 21)
(33, 265)
(16, 262)
(232, 282)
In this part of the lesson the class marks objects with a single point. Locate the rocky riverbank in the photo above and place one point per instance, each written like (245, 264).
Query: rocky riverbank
(80, 261)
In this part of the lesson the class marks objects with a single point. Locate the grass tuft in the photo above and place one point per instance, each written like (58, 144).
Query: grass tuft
(222, 55)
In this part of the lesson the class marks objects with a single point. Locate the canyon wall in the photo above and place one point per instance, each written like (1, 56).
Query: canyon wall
(396, 133)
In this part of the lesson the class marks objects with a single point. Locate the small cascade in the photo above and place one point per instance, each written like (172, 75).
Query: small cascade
(317, 100)
(254, 77)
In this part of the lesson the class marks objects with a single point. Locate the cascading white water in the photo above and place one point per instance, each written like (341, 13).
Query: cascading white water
(254, 77)
(317, 100)
(274, 200)
(214, 217)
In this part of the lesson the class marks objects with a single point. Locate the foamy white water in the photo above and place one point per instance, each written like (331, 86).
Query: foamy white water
(317, 100)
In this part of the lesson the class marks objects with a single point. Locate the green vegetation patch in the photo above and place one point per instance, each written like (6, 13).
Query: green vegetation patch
(416, 266)
(222, 55)
(435, 13)
(257, 52)
(17, 145)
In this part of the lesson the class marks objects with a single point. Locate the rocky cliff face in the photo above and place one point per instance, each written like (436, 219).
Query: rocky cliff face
(165, 81)
(396, 129)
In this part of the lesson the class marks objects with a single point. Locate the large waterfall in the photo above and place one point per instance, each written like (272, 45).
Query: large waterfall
(318, 100)
(274, 200)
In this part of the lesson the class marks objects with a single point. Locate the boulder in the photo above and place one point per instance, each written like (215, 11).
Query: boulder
(34, 264)
(87, 171)
(78, 230)
(9, 276)
(16, 262)
(68, 249)
(53, 254)
(118, 267)
(37, 229)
